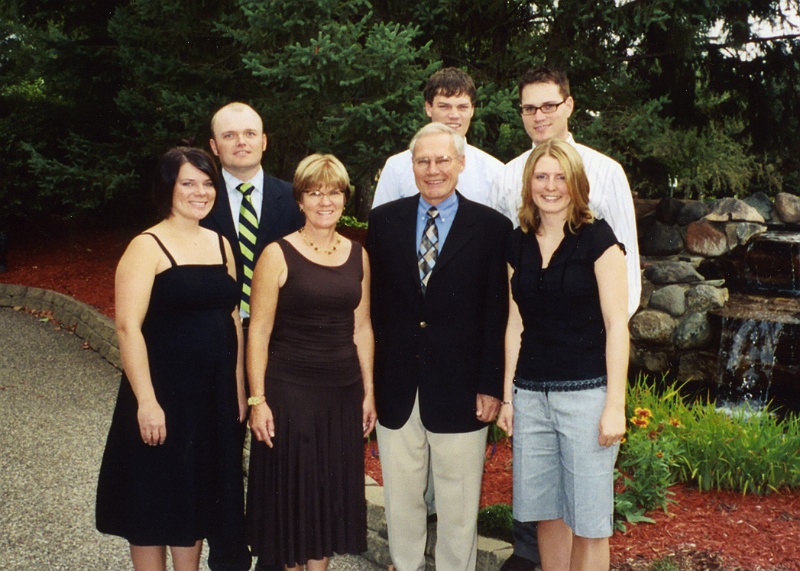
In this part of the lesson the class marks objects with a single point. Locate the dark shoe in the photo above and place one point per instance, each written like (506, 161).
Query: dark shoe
(517, 563)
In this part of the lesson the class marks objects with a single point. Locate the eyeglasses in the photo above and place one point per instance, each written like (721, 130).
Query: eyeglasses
(547, 108)
(318, 194)
(440, 162)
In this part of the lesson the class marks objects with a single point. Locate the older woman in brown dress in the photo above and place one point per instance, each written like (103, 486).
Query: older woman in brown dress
(309, 365)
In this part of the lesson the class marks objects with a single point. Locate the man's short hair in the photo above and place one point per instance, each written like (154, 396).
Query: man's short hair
(545, 74)
(439, 129)
(235, 106)
(449, 82)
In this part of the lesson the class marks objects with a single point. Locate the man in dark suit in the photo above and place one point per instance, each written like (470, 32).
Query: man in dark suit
(238, 139)
(439, 309)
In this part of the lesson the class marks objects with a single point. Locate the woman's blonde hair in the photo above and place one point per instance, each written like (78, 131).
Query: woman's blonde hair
(319, 170)
(575, 177)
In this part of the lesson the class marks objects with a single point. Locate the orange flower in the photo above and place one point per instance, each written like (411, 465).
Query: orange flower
(675, 422)
(643, 412)
(659, 454)
(640, 422)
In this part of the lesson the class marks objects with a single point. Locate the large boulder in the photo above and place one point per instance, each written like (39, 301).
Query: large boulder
(705, 240)
(649, 326)
(670, 299)
(787, 206)
(763, 204)
(691, 212)
(671, 273)
(704, 297)
(660, 240)
(733, 210)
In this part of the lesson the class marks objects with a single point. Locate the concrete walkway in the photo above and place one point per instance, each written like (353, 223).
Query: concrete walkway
(56, 401)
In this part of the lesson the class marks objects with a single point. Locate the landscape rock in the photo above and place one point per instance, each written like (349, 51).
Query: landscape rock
(787, 207)
(668, 210)
(761, 202)
(733, 209)
(705, 240)
(691, 212)
(671, 273)
(693, 332)
(704, 297)
(740, 233)
(650, 361)
(651, 326)
(660, 240)
(697, 366)
(671, 299)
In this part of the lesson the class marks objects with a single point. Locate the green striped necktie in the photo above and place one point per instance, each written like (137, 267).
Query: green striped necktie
(248, 227)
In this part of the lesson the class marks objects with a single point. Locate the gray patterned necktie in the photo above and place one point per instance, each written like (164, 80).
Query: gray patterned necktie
(428, 248)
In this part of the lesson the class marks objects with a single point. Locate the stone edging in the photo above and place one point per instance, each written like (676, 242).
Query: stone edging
(88, 323)
(99, 332)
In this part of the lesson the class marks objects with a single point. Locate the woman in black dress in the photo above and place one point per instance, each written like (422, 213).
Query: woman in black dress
(309, 365)
(171, 472)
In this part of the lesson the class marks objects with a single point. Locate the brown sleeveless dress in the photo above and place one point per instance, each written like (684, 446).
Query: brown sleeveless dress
(305, 497)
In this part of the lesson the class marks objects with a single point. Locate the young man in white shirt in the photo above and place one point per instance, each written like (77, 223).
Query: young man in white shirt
(546, 106)
(450, 99)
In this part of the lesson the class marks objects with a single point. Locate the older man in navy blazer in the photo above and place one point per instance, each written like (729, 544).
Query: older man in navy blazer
(238, 139)
(439, 309)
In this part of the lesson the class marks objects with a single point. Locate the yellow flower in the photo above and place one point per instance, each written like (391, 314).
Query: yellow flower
(643, 412)
(675, 422)
(640, 422)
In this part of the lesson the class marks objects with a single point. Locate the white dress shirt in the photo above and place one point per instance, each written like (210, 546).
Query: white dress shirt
(235, 197)
(474, 182)
(609, 198)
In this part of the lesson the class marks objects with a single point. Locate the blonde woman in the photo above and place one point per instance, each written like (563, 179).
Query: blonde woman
(566, 362)
(309, 365)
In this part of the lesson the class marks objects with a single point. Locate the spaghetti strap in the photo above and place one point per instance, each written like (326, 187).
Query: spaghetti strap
(171, 259)
(222, 250)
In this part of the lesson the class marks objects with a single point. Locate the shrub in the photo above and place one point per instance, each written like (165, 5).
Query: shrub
(496, 521)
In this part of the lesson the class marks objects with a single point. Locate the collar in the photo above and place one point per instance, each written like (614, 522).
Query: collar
(231, 182)
(446, 208)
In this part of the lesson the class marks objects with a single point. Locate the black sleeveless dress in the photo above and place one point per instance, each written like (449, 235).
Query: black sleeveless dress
(305, 496)
(190, 487)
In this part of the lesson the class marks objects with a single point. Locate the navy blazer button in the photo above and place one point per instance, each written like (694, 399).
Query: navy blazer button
(422, 325)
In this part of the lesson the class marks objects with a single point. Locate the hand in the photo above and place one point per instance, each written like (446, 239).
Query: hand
(486, 407)
(370, 416)
(505, 419)
(152, 423)
(262, 424)
(612, 426)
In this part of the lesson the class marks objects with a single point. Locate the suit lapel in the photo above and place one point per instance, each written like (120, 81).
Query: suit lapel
(461, 233)
(223, 217)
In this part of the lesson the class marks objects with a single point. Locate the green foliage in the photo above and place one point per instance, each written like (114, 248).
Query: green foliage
(670, 440)
(496, 521)
(742, 450)
(91, 92)
(351, 222)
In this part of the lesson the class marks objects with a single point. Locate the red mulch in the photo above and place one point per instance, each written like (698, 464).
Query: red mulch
(713, 530)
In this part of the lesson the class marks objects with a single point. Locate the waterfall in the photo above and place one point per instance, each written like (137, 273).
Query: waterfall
(747, 359)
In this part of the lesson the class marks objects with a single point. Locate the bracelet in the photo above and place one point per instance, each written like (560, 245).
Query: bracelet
(505, 402)
(253, 401)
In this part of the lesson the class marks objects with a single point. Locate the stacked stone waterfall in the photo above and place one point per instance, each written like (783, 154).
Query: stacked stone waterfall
(672, 331)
